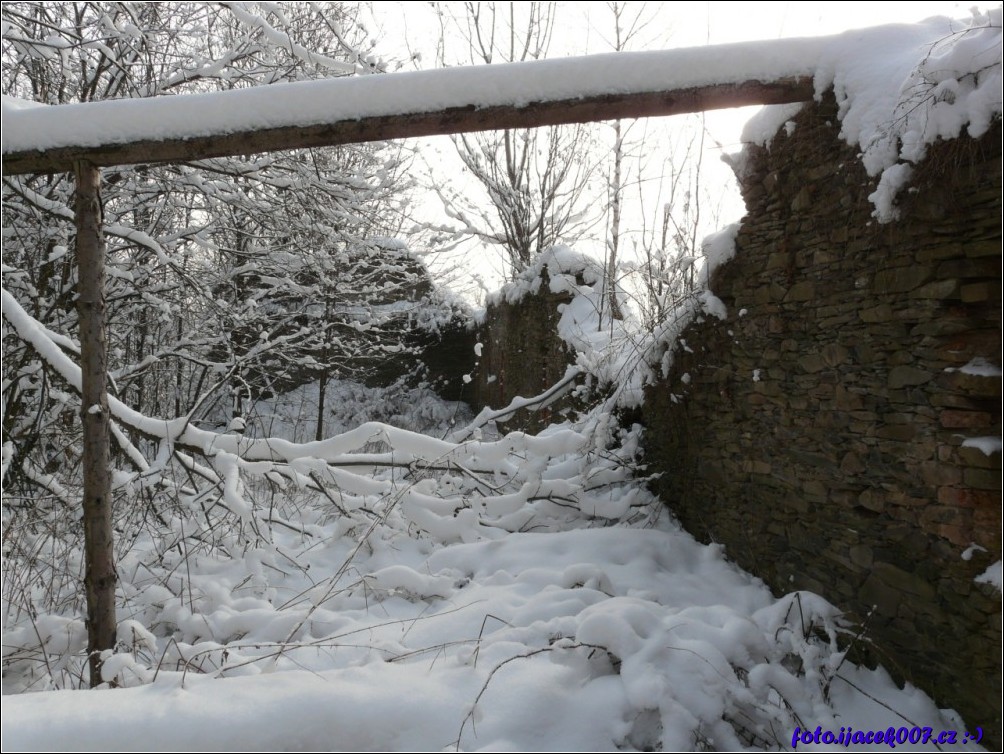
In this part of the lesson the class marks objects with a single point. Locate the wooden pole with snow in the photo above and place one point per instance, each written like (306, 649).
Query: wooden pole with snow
(434, 122)
(99, 553)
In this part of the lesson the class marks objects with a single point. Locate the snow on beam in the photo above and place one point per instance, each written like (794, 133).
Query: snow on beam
(39, 138)
(448, 121)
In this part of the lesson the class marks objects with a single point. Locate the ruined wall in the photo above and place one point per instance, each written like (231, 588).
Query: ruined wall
(447, 356)
(522, 355)
(820, 431)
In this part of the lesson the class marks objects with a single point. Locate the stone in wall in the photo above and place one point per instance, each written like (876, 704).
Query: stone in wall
(823, 431)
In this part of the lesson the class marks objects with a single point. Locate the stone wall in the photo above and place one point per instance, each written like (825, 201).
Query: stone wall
(820, 431)
(522, 356)
(447, 356)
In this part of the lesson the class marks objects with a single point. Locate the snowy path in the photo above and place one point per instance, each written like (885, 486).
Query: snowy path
(396, 661)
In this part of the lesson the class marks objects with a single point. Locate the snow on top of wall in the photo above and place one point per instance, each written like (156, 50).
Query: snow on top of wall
(718, 248)
(563, 267)
(988, 444)
(900, 88)
(610, 349)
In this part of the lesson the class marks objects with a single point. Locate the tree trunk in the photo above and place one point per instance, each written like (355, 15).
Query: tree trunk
(322, 384)
(99, 558)
(613, 245)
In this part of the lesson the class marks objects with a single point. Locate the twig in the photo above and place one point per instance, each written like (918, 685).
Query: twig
(497, 668)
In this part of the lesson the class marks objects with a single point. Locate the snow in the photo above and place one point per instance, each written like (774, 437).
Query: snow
(902, 87)
(560, 265)
(892, 180)
(978, 367)
(13, 104)
(350, 98)
(766, 124)
(718, 248)
(989, 445)
(712, 305)
(568, 640)
(973, 548)
(994, 575)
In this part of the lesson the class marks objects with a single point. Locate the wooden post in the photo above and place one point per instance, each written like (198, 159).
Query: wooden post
(99, 556)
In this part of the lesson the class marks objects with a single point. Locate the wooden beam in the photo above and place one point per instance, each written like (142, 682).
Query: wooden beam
(99, 553)
(449, 121)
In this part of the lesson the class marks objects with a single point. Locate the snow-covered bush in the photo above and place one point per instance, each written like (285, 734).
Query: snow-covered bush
(227, 278)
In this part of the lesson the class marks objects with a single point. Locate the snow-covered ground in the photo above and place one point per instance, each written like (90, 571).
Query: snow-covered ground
(357, 632)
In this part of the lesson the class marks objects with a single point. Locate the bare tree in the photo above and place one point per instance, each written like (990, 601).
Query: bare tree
(658, 188)
(675, 210)
(535, 179)
(626, 28)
